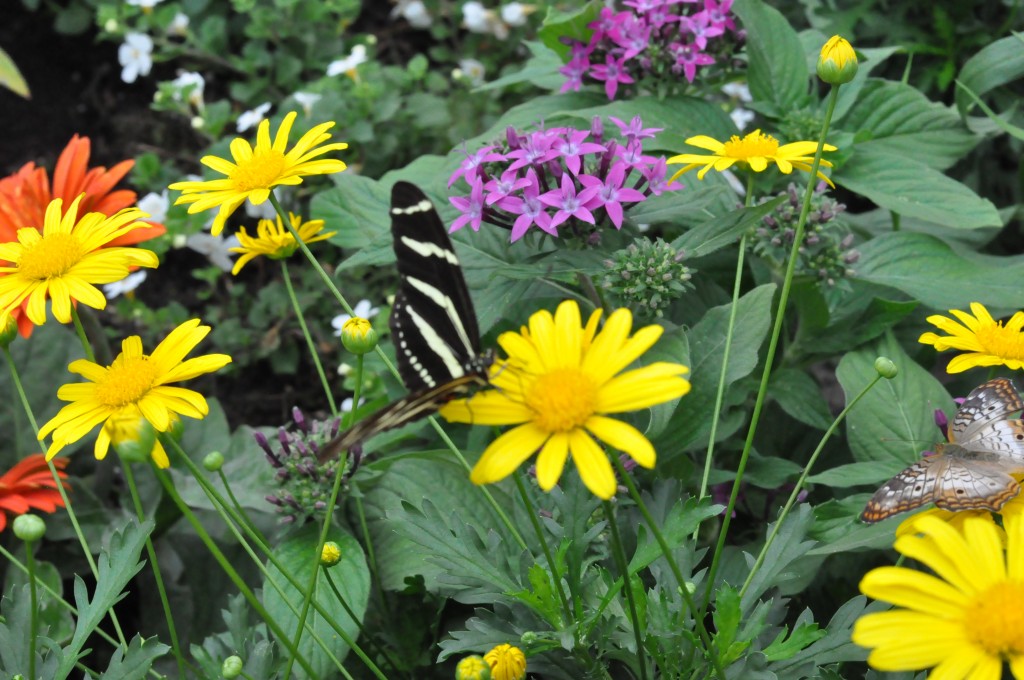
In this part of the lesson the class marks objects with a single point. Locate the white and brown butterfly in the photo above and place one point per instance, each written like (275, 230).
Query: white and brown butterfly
(972, 471)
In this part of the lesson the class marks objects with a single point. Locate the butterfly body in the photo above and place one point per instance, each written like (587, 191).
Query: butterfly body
(973, 470)
(433, 324)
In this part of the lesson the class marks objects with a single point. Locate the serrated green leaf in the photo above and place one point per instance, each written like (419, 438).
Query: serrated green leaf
(906, 186)
(681, 521)
(835, 646)
(727, 617)
(786, 561)
(137, 661)
(559, 25)
(777, 71)
(52, 615)
(802, 636)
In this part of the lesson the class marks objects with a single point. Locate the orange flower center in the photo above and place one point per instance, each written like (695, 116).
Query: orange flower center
(1000, 342)
(994, 621)
(562, 400)
(756, 144)
(50, 257)
(261, 171)
(127, 381)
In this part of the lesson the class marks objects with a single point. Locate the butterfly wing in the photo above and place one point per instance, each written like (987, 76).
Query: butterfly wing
(1002, 437)
(910, 489)
(991, 401)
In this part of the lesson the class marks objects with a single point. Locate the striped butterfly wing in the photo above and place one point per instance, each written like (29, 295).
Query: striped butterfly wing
(433, 324)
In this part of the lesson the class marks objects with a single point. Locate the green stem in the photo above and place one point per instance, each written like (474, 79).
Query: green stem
(239, 510)
(225, 565)
(362, 629)
(371, 557)
(755, 416)
(623, 566)
(309, 338)
(356, 391)
(161, 590)
(556, 576)
(30, 561)
(800, 483)
(666, 551)
(80, 330)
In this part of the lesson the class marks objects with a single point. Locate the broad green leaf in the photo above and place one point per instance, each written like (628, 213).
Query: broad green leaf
(11, 78)
(994, 119)
(909, 187)
(777, 70)
(51, 612)
(559, 25)
(995, 65)
(350, 576)
(694, 204)
(853, 474)
(136, 663)
(800, 397)
(851, 330)
(723, 231)
(894, 421)
(896, 119)
(929, 270)
(539, 110)
(15, 627)
(541, 69)
(868, 59)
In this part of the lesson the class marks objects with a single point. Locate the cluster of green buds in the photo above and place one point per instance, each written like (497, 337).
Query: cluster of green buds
(826, 253)
(305, 482)
(647, 276)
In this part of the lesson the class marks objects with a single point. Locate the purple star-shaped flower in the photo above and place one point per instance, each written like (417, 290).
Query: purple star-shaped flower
(655, 175)
(608, 23)
(610, 194)
(568, 202)
(635, 129)
(472, 208)
(530, 208)
(688, 58)
(497, 189)
(718, 13)
(469, 167)
(632, 154)
(574, 72)
(534, 149)
(572, 147)
(633, 39)
(701, 28)
(612, 72)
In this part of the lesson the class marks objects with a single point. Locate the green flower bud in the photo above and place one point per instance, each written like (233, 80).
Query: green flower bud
(213, 461)
(886, 367)
(232, 667)
(330, 555)
(9, 331)
(29, 528)
(473, 668)
(837, 63)
(358, 336)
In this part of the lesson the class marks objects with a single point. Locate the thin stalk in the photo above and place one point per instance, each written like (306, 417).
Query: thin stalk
(556, 576)
(623, 566)
(238, 506)
(309, 338)
(30, 561)
(755, 416)
(352, 615)
(80, 330)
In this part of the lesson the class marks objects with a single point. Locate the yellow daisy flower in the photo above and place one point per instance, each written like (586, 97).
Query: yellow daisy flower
(558, 384)
(506, 662)
(989, 342)
(275, 241)
(965, 620)
(135, 384)
(754, 150)
(67, 260)
(258, 170)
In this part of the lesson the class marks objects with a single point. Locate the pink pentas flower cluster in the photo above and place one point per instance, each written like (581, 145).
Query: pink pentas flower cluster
(660, 38)
(558, 176)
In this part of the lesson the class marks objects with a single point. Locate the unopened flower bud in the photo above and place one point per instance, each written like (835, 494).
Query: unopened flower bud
(330, 555)
(29, 528)
(886, 367)
(213, 461)
(231, 668)
(9, 331)
(358, 336)
(837, 63)
(472, 668)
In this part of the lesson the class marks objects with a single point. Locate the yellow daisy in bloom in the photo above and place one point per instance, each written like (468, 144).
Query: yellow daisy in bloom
(558, 385)
(506, 662)
(67, 260)
(258, 170)
(988, 341)
(754, 150)
(135, 384)
(275, 241)
(966, 619)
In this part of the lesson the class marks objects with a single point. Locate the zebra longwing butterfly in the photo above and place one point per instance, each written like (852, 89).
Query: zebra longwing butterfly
(433, 325)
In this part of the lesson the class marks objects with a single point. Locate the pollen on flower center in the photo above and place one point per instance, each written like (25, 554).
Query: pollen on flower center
(562, 400)
(754, 144)
(995, 621)
(1000, 342)
(51, 256)
(259, 172)
(126, 382)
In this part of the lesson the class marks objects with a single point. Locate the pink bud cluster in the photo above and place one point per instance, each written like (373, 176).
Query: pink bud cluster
(558, 175)
(651, 37)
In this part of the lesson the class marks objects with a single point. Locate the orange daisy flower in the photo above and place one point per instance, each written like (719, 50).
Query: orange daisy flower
(29, 485)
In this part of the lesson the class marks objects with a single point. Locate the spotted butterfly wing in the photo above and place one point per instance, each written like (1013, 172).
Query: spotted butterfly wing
(970, 472)
(433, 324)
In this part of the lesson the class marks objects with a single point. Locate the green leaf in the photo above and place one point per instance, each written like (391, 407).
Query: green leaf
(541, 69)
(137, 661)
(894, 421)
(995, 65)
(727, 617)
(906, 186)
(681, 521)
(559, 25)
(897, 120)
(786, 565)
(11, 78)
(802, 636)
(869, 59)
(834, 647)
(853, 474)
(723, 231)
(777, 70)
(350, 576)
(929, 270)
(538, 110)
(52, 614)
(690, 206)
(800, 397)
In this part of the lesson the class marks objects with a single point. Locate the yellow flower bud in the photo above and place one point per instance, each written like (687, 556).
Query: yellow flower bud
(472, 668)
(506, 662)
(330, 555)
(838, 62)
(9, 331)
(358, 336)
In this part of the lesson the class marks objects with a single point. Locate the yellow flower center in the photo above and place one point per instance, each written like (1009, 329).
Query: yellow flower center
(1000, 342)
(562, 400)
(50, 257)
(755, 144)
(127, 381)
(994, 621)
(259, 172)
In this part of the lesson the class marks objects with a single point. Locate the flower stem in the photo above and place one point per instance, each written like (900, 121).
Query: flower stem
(309, 338)
(30, 562)
(151, 552)
(362, 629)
(80, 330)
(627, 587)
(556, 576)
(800, 483)
(239, 510)
(773, 342)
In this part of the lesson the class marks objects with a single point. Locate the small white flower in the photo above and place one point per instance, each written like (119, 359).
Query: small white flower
(363, 309)
(515, 13)
(739, 91)
(197, 122)
(252, 118)
(643, 227)
(348, 64)
(472, 70)
(178, 25)
(179, 241)
(215, 248)
(742, 117)
(145, 5)
(416, 13)
(110, 25)
(344, 369)
(474, 17)
(156, 205)
(346, 404)
(136, 56)
(306, 100)
(125, 285)
(189, 85)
